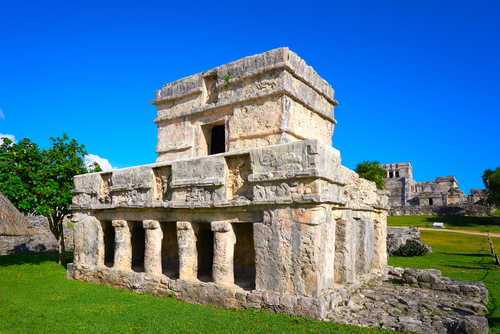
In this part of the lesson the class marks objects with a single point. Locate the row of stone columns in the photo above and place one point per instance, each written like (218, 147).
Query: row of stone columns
(223, 260)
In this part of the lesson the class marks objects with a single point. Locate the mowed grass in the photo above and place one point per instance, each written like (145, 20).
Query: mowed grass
(463, 257)
(36, 298)
(496, 213)
(482, 224)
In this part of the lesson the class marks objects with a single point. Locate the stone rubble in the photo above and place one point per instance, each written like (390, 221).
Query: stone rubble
(396, 237)
(416, 301)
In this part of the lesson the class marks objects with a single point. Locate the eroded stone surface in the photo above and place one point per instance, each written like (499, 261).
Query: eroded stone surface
(380, 303)
(396, 237)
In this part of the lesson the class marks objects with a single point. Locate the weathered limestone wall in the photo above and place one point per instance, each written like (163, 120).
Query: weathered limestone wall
(271, 98)
(42, 241)
(451, 210)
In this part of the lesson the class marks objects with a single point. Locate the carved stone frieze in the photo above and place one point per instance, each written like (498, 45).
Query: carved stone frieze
(237, 184)
(162, 187)
(106, 184)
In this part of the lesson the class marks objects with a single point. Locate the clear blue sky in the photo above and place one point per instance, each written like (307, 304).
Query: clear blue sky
(416, 81)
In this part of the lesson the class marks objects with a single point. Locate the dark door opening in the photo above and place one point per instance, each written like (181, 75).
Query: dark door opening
(109, 244)
(431, 202)
(138, 247)
(218, 140)
(244, 257)
(205, 248)
(170, 250)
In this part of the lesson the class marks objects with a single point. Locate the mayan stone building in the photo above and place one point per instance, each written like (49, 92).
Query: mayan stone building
(440, 197)
(247, 204)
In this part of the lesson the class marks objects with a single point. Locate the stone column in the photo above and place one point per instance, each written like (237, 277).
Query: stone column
(365, 246)
(346, 231)
(123, 245)
(101, 251)
(380, 247)
(152, 253)
(224, 240)
(188, 255)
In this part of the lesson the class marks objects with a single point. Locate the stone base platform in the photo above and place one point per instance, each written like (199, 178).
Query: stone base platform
(205, 293)
(375, 303)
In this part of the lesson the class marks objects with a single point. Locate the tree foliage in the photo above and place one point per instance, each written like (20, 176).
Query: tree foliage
(372, 171)
(39, 181)
(491, 180)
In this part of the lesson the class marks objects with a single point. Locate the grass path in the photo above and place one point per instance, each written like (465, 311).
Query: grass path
(497, 235)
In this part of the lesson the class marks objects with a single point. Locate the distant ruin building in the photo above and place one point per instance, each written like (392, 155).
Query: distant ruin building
(410, 197)
(247, 205)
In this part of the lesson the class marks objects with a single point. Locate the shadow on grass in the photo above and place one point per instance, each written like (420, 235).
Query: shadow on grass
(475, 255)
(460, 221)
(33, 258)
(493, 322)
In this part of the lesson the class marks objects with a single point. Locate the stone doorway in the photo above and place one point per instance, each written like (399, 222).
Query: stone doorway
(170, 250)
(138, 246)
(205, 249)
(244, 256)
(109, 243)
(218, 140)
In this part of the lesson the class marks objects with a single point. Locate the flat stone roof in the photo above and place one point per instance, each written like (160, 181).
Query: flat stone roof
(247, 67)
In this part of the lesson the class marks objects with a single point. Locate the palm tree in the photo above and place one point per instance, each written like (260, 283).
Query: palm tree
(491, 180)
(372, 171)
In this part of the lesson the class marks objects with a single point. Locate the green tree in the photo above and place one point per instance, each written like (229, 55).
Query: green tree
(491, 180)
(39, 181)
(372, 171)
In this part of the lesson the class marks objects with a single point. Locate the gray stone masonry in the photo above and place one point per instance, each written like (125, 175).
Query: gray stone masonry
(413, 300)
(396, 237)
(43, 239)
(448, 210)
(441, 197)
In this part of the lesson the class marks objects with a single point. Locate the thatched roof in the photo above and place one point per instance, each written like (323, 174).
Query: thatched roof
(12, 222)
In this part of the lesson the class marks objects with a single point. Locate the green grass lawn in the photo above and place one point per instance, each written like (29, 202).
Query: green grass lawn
(482, 224)
(496, 213)
(36, 298)
(462, 257)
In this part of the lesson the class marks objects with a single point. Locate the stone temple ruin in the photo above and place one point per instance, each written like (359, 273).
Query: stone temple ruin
(247, 204)
(441, 197)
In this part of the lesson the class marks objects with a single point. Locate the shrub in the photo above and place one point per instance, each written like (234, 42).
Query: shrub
(409, 249)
